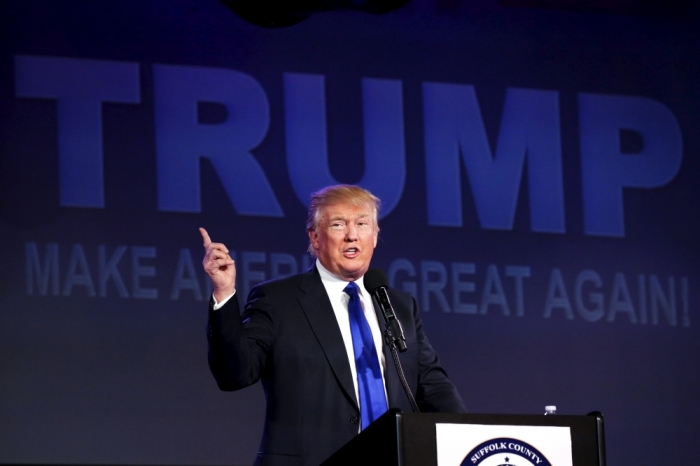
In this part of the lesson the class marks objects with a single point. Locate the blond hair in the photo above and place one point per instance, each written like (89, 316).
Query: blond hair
(337, 194)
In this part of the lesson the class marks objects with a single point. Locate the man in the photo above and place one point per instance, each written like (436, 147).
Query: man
(298, 336)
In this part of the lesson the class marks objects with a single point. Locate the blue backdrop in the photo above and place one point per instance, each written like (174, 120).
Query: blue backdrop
(539, 176)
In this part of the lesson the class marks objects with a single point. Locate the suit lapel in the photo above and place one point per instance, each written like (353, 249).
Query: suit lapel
(391, 377)
(319, 312)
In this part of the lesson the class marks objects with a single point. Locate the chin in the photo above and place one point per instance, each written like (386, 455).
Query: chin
(356, 273)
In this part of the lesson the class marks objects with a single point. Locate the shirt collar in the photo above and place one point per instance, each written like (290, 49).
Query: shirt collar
(333, 281)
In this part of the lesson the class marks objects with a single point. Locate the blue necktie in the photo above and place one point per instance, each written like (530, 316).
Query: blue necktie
(369, 376)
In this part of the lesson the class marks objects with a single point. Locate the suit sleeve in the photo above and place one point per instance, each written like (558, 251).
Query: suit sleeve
(239, 345)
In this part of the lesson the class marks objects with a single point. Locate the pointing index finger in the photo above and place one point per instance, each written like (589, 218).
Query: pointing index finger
(205, 237)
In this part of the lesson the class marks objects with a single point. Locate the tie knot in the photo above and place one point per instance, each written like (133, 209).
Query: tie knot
(352, 289)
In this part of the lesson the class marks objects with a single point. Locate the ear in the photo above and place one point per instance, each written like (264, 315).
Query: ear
(313, 238)
(376, 236)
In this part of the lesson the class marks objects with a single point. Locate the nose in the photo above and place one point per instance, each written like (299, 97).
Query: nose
(351, 233)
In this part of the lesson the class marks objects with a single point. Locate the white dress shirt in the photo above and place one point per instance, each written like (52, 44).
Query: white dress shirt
(339, 300)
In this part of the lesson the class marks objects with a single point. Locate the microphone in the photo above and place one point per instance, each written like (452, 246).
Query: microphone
(376, 283)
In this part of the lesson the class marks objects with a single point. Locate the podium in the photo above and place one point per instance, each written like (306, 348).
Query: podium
(409, 439)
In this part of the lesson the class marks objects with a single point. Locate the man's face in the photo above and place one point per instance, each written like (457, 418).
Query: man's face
(345, 239)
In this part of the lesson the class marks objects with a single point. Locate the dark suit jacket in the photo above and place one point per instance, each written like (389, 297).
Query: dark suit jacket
(289, 338)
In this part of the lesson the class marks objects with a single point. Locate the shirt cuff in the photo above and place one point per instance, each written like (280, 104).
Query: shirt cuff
(219, 305)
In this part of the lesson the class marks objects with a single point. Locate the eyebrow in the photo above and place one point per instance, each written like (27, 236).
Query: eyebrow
(340, 217)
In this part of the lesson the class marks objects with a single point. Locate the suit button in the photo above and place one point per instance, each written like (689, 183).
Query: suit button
(354, 420)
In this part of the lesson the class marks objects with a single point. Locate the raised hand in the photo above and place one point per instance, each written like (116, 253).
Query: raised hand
(219, 266)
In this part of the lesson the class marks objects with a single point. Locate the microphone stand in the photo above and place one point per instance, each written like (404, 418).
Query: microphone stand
(391, 341)
(393, 336)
